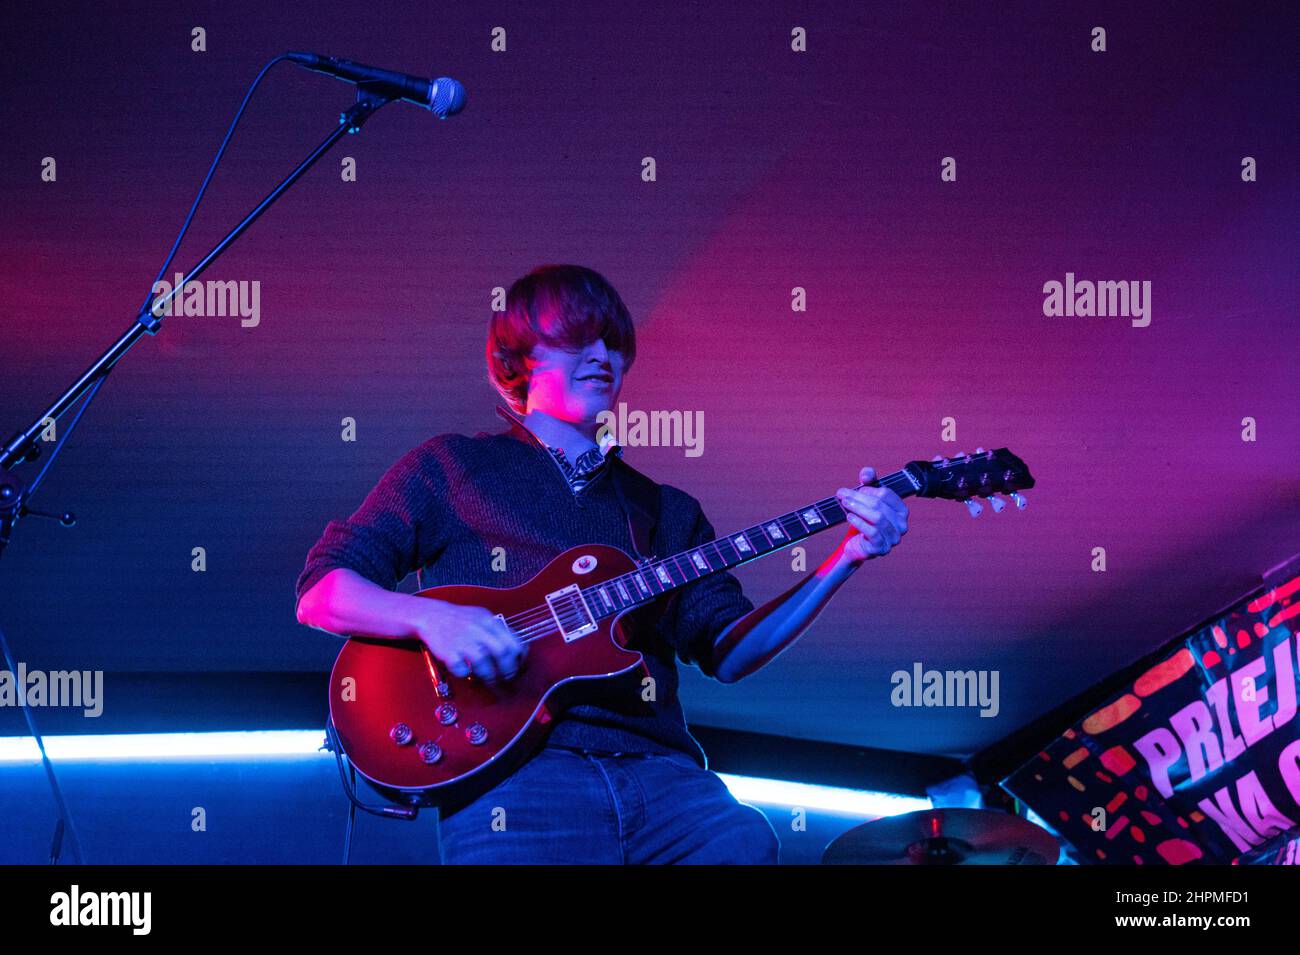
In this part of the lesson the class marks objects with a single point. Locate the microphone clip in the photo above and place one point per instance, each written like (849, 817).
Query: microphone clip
(369, 100)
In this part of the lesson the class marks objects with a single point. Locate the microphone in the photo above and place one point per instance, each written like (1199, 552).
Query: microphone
(443, 96)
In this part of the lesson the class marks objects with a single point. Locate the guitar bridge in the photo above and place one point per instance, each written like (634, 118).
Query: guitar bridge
(571, 613)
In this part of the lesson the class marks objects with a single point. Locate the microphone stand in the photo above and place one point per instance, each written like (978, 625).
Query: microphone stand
(23, 446)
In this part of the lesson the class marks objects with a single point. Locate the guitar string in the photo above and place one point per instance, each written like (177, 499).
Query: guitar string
(538, 622)
(523, 622)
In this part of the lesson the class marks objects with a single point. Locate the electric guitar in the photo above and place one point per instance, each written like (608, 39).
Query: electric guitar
(423, 736)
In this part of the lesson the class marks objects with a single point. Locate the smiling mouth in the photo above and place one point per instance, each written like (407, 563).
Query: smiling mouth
(607, 379)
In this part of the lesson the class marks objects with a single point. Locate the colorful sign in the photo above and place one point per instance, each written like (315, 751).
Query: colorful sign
(1195, 760)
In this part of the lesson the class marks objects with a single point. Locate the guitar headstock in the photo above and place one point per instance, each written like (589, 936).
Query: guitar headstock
(965, 477)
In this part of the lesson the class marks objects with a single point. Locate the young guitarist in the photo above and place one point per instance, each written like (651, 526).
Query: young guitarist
(620, 779)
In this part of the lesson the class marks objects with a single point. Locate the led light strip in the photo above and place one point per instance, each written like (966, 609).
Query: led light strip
(146, 747)
(850, 802)
(151, 747)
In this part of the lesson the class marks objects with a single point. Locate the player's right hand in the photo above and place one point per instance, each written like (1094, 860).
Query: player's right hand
(471, 640)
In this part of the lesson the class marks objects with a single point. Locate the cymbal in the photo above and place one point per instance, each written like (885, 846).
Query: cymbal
(945, 837)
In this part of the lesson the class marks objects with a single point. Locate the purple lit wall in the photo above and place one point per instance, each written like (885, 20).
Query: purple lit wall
(775, 169)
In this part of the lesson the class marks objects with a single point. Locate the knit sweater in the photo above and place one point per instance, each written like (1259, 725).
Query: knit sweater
(444, 507)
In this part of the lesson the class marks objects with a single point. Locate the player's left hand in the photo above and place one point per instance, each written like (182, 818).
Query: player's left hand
(878, 516)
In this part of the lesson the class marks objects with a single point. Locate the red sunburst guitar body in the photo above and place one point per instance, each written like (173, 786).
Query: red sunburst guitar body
(482, 732)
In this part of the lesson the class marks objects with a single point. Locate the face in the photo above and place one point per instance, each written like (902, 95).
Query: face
(574, 384)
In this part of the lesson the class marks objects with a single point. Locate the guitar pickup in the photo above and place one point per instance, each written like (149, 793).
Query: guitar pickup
(571, 613)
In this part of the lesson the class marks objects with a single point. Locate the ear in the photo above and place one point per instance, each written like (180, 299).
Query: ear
(513, 367)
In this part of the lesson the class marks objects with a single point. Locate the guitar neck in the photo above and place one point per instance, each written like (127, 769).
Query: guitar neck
(655, 578)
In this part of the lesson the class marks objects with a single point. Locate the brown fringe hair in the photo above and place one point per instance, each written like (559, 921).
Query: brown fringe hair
(564, 306)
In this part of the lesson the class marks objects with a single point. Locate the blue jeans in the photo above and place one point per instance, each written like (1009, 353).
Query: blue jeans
(568, 807)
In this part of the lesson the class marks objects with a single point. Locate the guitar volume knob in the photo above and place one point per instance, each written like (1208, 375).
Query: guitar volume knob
(446, 713)
(430, 752)
(477, 734)
(401, 734)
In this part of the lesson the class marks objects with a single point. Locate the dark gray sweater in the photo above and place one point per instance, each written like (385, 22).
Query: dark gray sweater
(444, 506)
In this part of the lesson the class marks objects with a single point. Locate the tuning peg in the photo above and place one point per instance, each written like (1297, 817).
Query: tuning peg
(997, 504)
(1020, 499)
(973, 506)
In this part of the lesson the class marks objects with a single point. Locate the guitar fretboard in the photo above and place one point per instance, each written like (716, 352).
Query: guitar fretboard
(655, 578)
